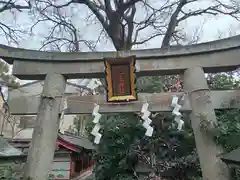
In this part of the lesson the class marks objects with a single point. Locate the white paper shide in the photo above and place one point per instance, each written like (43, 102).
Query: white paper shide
(147, 121)
(176, 113)
(97, 127)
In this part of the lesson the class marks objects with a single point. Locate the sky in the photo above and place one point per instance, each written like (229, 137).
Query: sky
(213, 28)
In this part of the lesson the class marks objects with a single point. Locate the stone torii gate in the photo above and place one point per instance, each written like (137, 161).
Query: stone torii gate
(55, 67)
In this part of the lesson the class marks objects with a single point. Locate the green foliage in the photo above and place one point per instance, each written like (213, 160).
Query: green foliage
(223, 81)
(156, 84)
(176, 156)
(120, 134)
(15, 172)
(228, 126)
(123, 136)
(12, 172)
(228, 133)
(175, 151)
(150, 84)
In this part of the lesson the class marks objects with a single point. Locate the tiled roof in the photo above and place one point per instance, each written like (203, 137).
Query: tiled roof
(76, 141)
(232, 157)
(6, 149)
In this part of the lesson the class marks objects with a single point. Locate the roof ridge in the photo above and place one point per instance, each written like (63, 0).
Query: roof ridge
(69, 134)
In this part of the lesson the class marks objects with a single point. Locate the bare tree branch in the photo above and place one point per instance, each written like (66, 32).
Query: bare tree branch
(10, 33)
(62, 25)
(124, 29)
(8, 5)
(172, 24)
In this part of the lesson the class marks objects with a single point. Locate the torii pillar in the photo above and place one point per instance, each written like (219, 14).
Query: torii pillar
(41, 153)
(195, 85)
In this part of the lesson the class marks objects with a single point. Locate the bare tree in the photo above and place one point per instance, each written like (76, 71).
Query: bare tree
(63, 35)
(124, 21)
(11, 33)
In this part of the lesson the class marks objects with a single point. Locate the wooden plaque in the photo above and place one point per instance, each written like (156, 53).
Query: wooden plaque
(121, 79)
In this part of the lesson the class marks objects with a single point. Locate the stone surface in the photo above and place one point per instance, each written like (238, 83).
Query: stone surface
(43, 145)
(211, 62)
(216, 56)
(10, 54)
(159, 102)
(202, 110)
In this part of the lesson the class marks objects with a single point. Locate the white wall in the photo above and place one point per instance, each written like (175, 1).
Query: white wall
(61, 170)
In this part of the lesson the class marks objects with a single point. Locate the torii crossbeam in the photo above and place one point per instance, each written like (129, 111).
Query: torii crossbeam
(192, 61)
(217, 56)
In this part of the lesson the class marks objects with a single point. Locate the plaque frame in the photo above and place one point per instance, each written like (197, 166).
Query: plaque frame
(130, 61)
